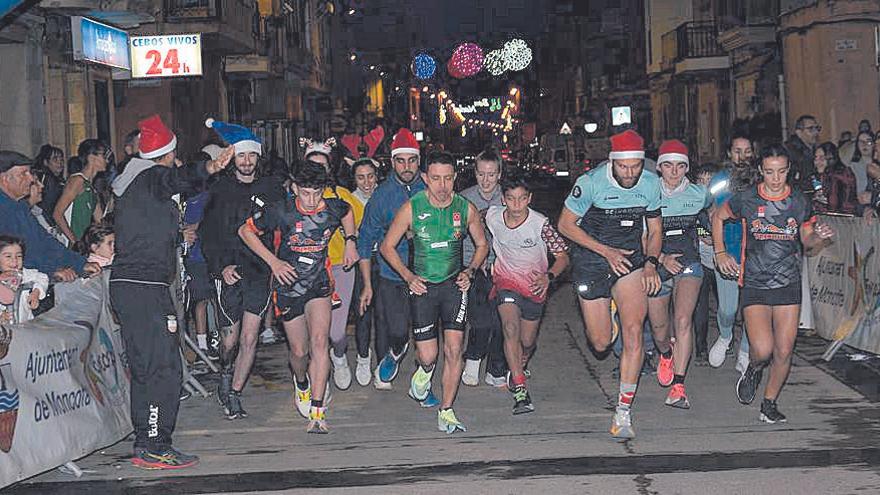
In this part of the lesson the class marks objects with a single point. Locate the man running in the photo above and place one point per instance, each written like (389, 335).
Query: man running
(306, 224)
(603, 217)
(393, 318)
(521, 238)
(241, 280)
(438, 220)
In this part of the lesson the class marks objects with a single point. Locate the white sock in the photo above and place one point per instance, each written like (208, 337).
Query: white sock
(202, 339)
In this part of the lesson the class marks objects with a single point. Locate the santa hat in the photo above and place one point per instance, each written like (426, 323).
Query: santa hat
(673, 150)
(156, 139)
(627, 145)
(404, 142)
(325, 148)
(241, 138)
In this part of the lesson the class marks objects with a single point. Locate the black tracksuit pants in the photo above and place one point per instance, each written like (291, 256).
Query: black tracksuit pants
(154, 359)
(485, 336)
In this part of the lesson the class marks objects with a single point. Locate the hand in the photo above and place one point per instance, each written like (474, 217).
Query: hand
(34, 298)
(617, 259)
(824, 231)
(728, 266)
(66, 274)
(222, 160)
(650, 279)
(870, 215)
(91, 269)
(230, 275)
(366, 300)
(864, 197)
(463, 281)
(539, 283)
(283, 272)
(670, 261)
(178, 162)
(350, 257)
(417, 285)
(189, 234)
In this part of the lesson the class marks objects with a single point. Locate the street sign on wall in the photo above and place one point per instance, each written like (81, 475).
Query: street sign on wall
(172, 55)
(99, 43)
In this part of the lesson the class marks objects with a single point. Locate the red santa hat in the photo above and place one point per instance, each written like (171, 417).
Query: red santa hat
(673, 150)
(404, 142)
(156, 139)
(627, 145)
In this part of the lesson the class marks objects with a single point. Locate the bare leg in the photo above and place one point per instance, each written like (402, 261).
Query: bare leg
(597, 322)
(298, 343)
(758, 320)
(250, 329)
(632, 307)
(427, 351)
(453, 364)
(785, 323)
(685, 294)
(529, 338)
(229, 346)
(513, 348)
(318, 318)
(658, 313)
(200, 315)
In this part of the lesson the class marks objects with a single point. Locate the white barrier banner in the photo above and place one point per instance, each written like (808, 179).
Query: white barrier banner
(64, 383)
(845, 284)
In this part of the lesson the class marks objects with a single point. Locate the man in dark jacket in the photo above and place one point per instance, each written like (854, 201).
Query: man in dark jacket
(147, 228)
(801, 147)
(241, 279)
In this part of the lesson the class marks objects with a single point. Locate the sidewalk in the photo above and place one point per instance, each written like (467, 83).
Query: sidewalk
(382, 439)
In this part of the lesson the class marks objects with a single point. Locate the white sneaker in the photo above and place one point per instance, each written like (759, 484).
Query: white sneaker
(363, 372)
(379, 384)
(471, 374)
(341, 371)
(495, 381)
(267, 336)
(718, 352)
(742, 361)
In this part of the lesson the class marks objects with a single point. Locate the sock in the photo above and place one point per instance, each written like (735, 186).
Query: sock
(302, 385)
(626, 396)
(338, 354)
(677, 379)
(202, 340)
(317, 402)
(667, 354)
(519, 380)
(427, 368)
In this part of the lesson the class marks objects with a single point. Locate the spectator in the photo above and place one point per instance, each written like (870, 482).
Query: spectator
(33, 200)
(862, 156)
(838, 183)
(44, 252)
(131, 148)
(49, 171)
(845, 139)
(801, 146)
(78, 206)
(27, 285)
(98, 243)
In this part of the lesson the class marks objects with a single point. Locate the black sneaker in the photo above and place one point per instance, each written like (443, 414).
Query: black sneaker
(213, 352)
(747, 385)
(223, 388)
(522, 402)
(169, 458)
(769, 413)
(701, 359)
(233, 406)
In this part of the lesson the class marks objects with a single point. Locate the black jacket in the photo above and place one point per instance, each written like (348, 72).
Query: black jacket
(229, 205)
(801, 163)
(147, 220)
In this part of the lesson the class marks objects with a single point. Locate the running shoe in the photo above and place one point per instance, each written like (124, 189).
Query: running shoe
(718, 352)
(701, 359)
(430, 401)
(318, 421)
(302, 398)
(223, 388)
(747, 385)
(420, 384)
(621, 425)
(363, 372)
(615, 323)
(495, 381)
(770, 414)
(471, 374)
(742, 361)
(169, 458)
(341, 371)
(267, 336)
(677, 397)
(378, 383)
(522, 401)
(665, 372)
(335, 300)
(390, 364)
(447, 422)
(233, 406)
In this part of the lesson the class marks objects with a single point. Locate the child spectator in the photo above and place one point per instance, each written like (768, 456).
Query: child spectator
(98, 243)
(26, 284)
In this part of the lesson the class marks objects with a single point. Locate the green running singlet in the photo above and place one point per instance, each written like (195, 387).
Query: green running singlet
(437, 237)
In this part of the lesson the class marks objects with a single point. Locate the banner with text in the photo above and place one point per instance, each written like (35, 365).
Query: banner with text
(64, 383)
(171, 55)
(845, 284)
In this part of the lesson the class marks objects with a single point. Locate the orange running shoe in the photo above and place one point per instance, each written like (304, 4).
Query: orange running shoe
(678, 397)
(664, 371)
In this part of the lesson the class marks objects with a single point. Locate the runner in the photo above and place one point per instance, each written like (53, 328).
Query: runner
(778, 223)
(438, 219)
(485, 337)
(306, 223)
(366, 175)
(603, 217)
(521, 238)
(240, 279)
(393, 318)
(681, 271)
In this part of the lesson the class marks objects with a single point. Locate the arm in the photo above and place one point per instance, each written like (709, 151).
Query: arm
(366, 296)
(815, 236)
(653, 244)
(349, 230)
(190, 179)
(481, 247)
(282, 270)
(370, 231)
(388, 248)
(616, 257)
(73, 188)
(539, 283)
(874, 171)
(723, 260)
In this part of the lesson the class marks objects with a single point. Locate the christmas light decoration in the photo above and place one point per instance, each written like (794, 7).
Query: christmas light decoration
(423, 66)
(466, 61)
(495, 62)
(517, 55)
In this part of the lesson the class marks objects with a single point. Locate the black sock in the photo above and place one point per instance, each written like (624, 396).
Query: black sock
(302, 385)
(317, 402)
(667, 354)
(677, 379)
(427, 368)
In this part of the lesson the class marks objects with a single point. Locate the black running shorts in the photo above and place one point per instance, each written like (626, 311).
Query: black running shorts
(528, 309)
(443, 302)
(290, 308)
(245, 295)
(785, 296)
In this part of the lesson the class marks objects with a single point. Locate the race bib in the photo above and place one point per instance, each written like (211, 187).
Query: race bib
(440, 245)
(308, 261)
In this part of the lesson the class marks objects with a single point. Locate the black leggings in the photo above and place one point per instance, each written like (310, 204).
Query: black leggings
(701, 313)
(364, 323)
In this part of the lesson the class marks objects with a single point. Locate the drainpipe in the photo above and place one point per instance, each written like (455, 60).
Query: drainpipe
(783, 107)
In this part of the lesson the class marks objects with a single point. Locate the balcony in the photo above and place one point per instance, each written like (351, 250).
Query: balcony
(693, 46)
(227, 25)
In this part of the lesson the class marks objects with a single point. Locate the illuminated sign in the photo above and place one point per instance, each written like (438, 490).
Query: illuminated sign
(621, 115)
(172, 55)
(99, 43)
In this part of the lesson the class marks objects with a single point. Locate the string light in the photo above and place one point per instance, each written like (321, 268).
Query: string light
(495, 62)
(466, 61)
(423, 66)
(517, 55)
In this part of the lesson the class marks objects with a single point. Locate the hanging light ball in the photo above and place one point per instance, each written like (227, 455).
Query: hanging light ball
(495, 63)
(423, 66)
(466, 61)
(517, 55)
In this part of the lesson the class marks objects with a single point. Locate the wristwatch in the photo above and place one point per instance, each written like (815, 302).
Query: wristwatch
(351, 237)
(653, 260)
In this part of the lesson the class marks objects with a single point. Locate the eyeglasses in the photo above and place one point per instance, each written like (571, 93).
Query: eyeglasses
(813, 128)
